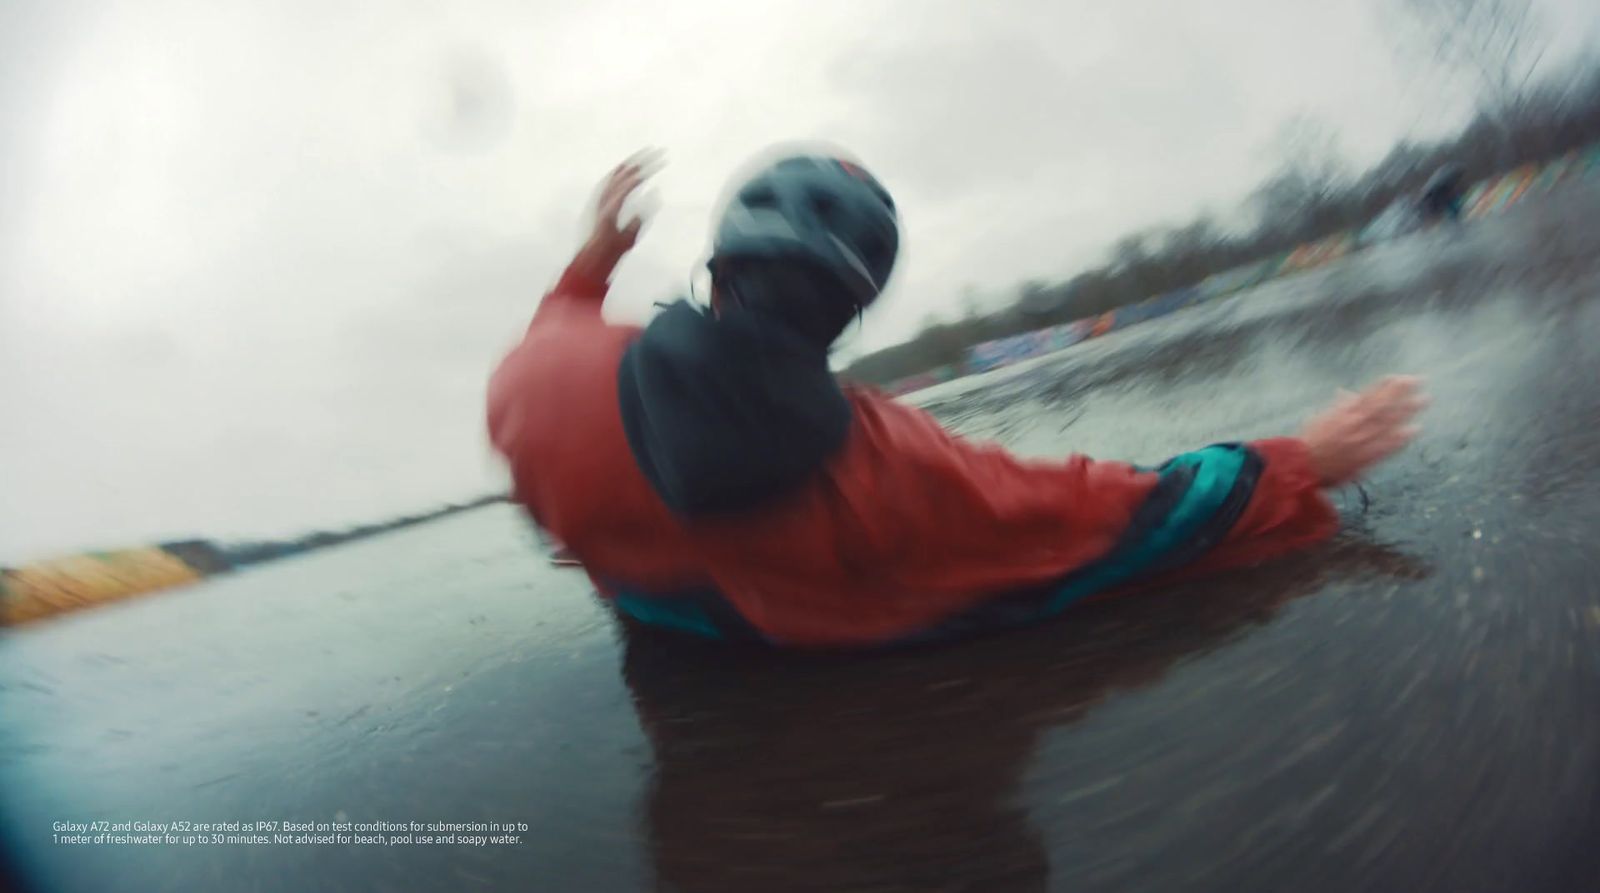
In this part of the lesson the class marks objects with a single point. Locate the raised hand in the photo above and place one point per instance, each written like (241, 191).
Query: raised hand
(610, 237)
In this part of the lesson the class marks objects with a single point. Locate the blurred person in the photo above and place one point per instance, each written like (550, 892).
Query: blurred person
(1444, 195)
(711, 475)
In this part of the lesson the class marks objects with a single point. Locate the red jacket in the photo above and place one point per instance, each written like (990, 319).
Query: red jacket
(905, 526)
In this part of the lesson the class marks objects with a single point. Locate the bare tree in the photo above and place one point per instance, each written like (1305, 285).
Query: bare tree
(1187, 250)
(971, 304)
(1311, 170)
(1037, 298)
(1498, 43)
(1405, 162)
(1310, 150)
(943, 343)
(1131, 251)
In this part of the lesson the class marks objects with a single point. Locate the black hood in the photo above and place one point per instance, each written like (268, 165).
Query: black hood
(726, 414)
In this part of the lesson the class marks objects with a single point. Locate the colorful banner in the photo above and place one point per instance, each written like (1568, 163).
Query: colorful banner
(1237, 279)
(58, 586)
(918, 382)
(1005, 351)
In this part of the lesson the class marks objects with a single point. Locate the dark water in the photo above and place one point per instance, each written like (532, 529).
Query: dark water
(1412, 707)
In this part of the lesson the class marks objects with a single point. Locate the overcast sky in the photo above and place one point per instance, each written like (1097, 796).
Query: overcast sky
(258, 259)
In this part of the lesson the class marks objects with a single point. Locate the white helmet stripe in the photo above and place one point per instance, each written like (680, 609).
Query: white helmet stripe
(854, 260)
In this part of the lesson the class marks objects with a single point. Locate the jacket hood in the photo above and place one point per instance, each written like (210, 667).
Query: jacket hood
(727, 414)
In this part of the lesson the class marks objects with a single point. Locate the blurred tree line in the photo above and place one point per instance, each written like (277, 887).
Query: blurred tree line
(1309, 195)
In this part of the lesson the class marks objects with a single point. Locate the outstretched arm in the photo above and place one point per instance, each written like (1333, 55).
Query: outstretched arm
(583, 285)
(959, 515)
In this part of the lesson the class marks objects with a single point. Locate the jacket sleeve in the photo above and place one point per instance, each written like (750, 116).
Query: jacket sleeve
(987, 519)
(578, 295)
(536, 380)
(1287, 510)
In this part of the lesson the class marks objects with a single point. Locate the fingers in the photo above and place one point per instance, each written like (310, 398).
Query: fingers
(647, 159)
(1402, 394)
(1390, 407)
(625, 178)
(646, 162)
(1393, 400)
(1363, 429)
(630, 233)
(639, 166)
(1394, 387)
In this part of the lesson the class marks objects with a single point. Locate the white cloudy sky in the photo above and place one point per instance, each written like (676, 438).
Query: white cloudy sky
(257, 259)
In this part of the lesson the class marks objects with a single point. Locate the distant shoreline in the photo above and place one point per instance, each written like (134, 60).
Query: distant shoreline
(240, 554)
(62, 584)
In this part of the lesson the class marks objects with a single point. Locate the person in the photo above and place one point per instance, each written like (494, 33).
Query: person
(711, 474)
(1444, 194)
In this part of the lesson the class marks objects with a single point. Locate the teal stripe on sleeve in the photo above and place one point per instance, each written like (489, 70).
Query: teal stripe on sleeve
(1216, 469)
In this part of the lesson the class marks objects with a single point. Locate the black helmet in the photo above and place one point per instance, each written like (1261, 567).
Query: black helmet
(823, 210)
